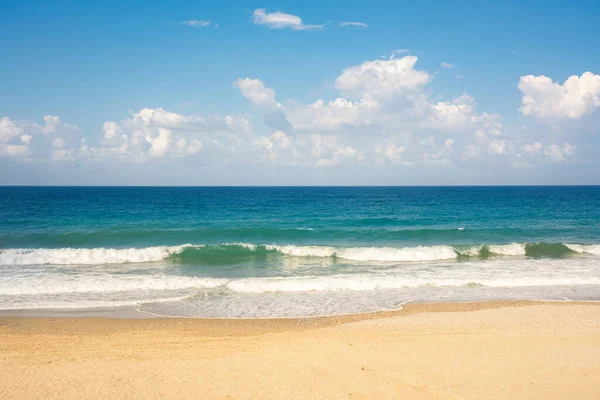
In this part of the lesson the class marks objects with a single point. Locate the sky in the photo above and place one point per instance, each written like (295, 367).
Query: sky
(299, 93)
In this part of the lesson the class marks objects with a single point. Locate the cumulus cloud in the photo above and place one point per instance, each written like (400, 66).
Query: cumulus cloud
(316, 150)
(533, 148)
(549, 101)
(9, 130)
(13, 140)
(263, 98)
(158, 133)
(274, 144)
(446, 65)
(111, 130)
(27, 139)
(454, 114)
(560, 153)
(354, 24)
(381, 79)
(14, 150)
(335, 115)
(390, 151)
(255, 91)
(553, 151)
(382, 114)
(279, 20)
(499, 146)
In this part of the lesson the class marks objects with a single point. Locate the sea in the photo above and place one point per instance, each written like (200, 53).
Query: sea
(269, 252)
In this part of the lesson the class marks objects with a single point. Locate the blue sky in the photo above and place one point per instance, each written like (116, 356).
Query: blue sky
(446, 108)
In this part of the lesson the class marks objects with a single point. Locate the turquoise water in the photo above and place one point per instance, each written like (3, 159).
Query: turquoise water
(294, 251)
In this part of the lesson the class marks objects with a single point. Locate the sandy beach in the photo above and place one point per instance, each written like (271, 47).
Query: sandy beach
(497, 350)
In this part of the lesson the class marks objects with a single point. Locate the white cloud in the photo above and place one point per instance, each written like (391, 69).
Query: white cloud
(200, 23)
(160, 143)
(158, 133)
(551, 101)
(341, 155)
(533, 148)
(499, 146)
(333, 116)
(9, 130)
(279, 20)
(355, 24)
(263, 98)
(453, 115)
(381, 79)
(53, 124)
(553, 151)
(446, 65)
(111, 130)
(390, 151)
(14, 150)
(442, 156)
(559, 153)
(59, 143)
(273, 144)
(382, 114)
(28, 139)
(256, 91)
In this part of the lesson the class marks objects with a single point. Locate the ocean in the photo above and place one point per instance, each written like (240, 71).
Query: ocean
(242, 252)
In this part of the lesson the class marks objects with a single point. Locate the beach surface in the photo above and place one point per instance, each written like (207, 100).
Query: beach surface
(491, 350)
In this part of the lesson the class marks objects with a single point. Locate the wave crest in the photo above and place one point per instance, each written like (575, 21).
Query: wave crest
(418, 253)
(585, 248)
(94, 256)
(229, 253)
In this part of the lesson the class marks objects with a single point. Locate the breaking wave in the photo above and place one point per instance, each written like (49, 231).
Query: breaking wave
(235, 252)
(95, 256)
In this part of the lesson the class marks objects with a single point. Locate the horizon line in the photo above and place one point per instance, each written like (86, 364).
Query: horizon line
(296, 186)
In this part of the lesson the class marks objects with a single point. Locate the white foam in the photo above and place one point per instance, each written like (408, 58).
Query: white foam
(419, 253)
(585, 248)
(375, 282)
(472, 251)
(71, 284)
(95, 256)
(512, 249)
(303, 251)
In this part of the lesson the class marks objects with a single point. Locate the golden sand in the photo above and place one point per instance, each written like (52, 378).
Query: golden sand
(489, 350)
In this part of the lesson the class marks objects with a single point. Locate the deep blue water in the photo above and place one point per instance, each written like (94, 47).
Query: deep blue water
(119, 217)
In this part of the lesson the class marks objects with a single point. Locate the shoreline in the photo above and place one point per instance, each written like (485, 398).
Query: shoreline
(87, 322)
